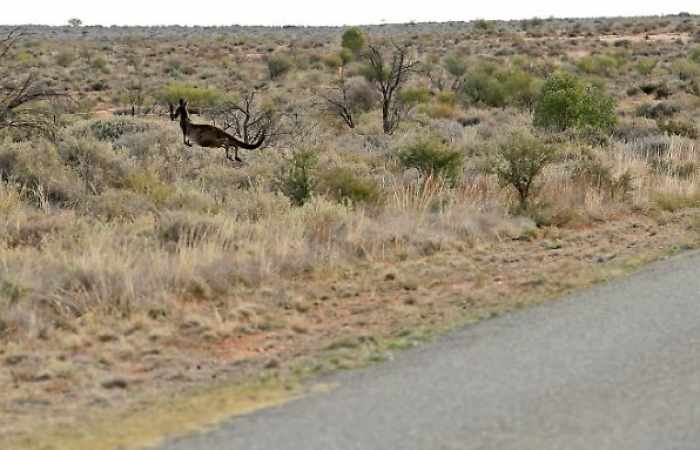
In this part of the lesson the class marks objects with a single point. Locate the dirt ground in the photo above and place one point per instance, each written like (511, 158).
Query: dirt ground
(76, 382)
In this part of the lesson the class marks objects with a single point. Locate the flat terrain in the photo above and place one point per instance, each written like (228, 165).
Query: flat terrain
(614, 367)
(161, 287)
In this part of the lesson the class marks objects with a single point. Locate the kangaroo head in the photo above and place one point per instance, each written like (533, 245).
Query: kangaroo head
(181, 111)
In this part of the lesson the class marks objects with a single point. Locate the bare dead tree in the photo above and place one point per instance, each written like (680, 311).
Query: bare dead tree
(135, 95)
(294, 127)
(245, 119)
(388, 79)
(19, 95)
(9, 41)
(448, 75)
(18, 108)
(338, 102)
(435, 74)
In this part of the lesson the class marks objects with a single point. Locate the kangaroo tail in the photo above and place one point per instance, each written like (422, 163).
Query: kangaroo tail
(260, 139)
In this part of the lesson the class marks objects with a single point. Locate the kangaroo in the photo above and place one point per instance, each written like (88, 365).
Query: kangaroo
(209, 135)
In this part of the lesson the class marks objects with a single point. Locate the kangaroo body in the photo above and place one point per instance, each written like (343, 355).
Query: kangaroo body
(208, 135)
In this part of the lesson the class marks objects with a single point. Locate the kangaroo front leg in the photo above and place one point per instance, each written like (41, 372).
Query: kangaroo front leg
(236, 155)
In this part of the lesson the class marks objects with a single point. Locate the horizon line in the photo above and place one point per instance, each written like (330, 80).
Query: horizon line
(375, 24)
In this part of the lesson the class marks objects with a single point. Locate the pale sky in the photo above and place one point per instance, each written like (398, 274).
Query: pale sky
(318, 12)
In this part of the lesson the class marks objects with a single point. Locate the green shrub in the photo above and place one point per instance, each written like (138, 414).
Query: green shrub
(590, 171)
(520, 88)
(343, 185)
(679, 128)
(482, 88)
(65, 58)
(278, 65)
(39, 170)
(415, 95)
(354, 40)
(567, 103)
(346, 56)
(147, 183)
(686, 70)
(601, 65)
(487, 85)
(483, 25)
(99, 86)
(658, 111)
(646, 66)
(442, 111)
(455, 66)
(694, 55)
(195, 95)
(519, 161)
(432, 158)
(296, 178)
(333, 60)
(672, 202)
(110, 130)
(446, 98)
(95, 163)
(100, 64)
(667, 167)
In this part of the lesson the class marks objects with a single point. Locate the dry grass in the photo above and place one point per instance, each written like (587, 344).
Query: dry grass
(133, 265)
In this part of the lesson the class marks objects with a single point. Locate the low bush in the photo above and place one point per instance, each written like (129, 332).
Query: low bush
(411, 96)
(147, 183)
(667, 167)
(672, 202)
(660, 110)
(432, 158)
(343, 185)
(645, 66)
(38, 169)
(296, 177)
(601, 65)
(566, 102)
(278, 65)
(694, 55)
(489, 86)
(686, 70)
(591, 172)
(196, 96)
(95, 163)
(65, 58)
(679, 128)
(520, 159)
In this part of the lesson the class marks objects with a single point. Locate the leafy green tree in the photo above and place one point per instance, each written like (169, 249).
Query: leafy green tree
(565, 102)
(354, 40)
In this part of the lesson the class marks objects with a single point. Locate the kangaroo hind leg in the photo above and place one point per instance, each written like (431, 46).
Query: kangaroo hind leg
(235, 158)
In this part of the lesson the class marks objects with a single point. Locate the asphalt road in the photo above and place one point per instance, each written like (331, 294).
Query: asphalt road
(614, 367)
